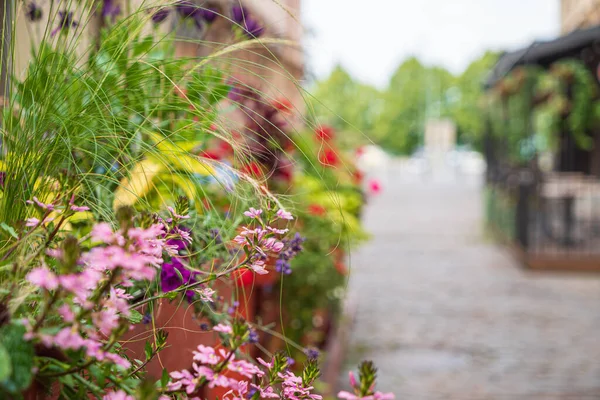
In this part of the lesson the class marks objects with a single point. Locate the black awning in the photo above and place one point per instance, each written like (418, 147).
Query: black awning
(544, 53)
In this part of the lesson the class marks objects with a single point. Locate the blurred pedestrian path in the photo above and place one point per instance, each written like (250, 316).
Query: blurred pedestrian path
(447, 314)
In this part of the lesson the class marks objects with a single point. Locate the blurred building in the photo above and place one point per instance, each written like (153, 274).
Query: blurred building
(544, 199)
(576, 14)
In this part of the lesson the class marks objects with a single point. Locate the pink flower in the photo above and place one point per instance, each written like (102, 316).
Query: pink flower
(48, 207)
(374, 186)
(206, 294)
(238, 391)
(284, 215)
(244, 368)
(349, 396)
(277, 231)
(68, 338)
(80, 284)
(352, 379)
(183, 378)
(66, 313)
(221, 381)
(269, 365)
(253, 213)
(223, 328)
(383, 396)
(118, 360)
(175, 215)
(43, 277)
(375, 396)
(79, 208)
(29, 222)
(102, 232)
(55, 253)
(206, 355)
(267, 393)
(106, 320)
(119, 395)
(259, 267)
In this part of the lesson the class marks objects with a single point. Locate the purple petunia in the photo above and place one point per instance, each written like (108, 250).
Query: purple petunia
(208, 14)
(186, 9)
(160, 15)
(171, 275)
(252, 28)
(238, 14)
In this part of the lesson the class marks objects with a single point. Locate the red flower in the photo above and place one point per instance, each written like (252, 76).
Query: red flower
(358, 176)
(316, 209)
(328, 158)
(253, 169)
(324, 132)
(341, 268)
(210, 154)
(283, 105)
(225, 147)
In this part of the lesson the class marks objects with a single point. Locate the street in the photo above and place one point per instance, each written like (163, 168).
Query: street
(446, 313)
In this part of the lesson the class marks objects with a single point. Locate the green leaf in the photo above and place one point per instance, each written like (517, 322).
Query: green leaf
(5, 365)
(143, 46)
(148, 351)
(164, 379)
(135, 317)
(21, 358)
(9, 229)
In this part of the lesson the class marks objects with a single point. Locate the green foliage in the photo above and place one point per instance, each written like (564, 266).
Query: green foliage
(395, 117)
(531, 107)
(16, 368)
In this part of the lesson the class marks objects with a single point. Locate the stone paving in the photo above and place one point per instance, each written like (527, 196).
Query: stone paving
(446, 314)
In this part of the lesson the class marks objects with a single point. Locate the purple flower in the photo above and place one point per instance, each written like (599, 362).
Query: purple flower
(34, 12)
(253, 336)
(239, 14)
(283, 267)
(110, 10)
(186, 9)
(147, 318)
(171, 275)
(208, 14)
(252, 28)
(312, 353)
(65, 22)
(235, 94)
(160, 15)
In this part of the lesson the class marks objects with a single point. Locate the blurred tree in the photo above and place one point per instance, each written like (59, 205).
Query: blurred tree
(415, 94)
(395, 118)
(468, 111)
(349, 106)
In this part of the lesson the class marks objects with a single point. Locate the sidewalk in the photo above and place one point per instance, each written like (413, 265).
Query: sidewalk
(446, 314)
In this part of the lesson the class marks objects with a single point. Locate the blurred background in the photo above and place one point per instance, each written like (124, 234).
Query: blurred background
(480, 123)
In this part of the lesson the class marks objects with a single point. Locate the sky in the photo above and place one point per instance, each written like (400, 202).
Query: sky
(370, 38)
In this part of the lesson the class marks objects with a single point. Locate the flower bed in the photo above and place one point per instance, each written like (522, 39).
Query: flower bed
(149, 250)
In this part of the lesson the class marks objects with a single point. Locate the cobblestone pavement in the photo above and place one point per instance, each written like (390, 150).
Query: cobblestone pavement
(446, 314)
